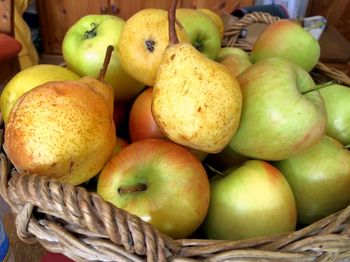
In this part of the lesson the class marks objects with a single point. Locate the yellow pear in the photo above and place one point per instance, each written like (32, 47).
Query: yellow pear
(62, 129)
(29, 78)
(143, 41)
(196, 101)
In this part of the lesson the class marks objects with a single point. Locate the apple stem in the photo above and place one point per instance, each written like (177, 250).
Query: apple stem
(102, 74)
(215, 171)
(172, 19)
(132, 189)
(321, 86)
(91, 33)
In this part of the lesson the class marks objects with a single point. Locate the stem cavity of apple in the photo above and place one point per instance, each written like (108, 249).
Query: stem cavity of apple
(172, 19)
(198, 45)
(347, 146)
(132, 189)
(333, 82)
(102, 74)
(92, 33)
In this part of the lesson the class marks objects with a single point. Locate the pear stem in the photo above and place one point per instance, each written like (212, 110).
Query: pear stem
(172, 19)
(102, 74)
(132, 189)
(321, 86)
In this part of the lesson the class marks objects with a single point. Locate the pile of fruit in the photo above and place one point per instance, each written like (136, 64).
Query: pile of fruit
(197, 139)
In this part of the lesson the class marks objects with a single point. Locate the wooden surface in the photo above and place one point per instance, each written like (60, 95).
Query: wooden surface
(57, 16)
(337, 13)
(21, 251)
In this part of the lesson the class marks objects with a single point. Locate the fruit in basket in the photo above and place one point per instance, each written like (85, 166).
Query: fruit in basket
(319, 178)
(336, 99)
(160, 182)
(226, 158)
(141, 122)
(143, 41)
(196, 101)
(84, 47)
(278, 119)
(252, 200)
(287, 39)
(62, 129)
(219, 23)
(29, 78)
(201, 30)
(235, 59)
(119, 145)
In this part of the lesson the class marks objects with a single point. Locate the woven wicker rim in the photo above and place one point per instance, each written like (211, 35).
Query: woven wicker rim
(79, 224)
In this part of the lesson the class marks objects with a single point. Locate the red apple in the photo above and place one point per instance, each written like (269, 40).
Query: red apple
(319, 178)
(252, 200)
(161, 182)
(141, 122)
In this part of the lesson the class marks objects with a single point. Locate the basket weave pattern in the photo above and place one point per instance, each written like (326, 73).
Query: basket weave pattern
(79, 224)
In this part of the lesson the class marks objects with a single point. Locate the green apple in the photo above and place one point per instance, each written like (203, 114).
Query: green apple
(84, 47)
(29, 78)
(336, 99)
(159, 181)
(319, 178)
(143, 41)
(252, 200)
(235, 59)
(201, 30)
(277, 119)
(219, 23)
(287, 39)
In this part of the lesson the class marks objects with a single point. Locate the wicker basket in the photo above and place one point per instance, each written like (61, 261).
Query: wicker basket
(79, 224)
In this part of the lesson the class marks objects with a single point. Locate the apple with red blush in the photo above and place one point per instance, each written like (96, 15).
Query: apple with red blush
(161, 182)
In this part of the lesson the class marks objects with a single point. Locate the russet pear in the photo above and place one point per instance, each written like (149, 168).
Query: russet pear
(63, 130)
(196, 101)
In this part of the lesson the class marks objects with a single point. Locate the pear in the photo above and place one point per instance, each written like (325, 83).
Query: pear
(196, 101)
(62, 129)
(142, 43)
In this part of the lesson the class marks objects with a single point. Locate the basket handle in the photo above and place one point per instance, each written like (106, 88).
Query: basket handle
(231, 39)
(231, 34)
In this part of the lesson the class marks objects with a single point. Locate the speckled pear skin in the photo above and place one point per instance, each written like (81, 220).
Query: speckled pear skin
(196, 102)
(63, 130)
